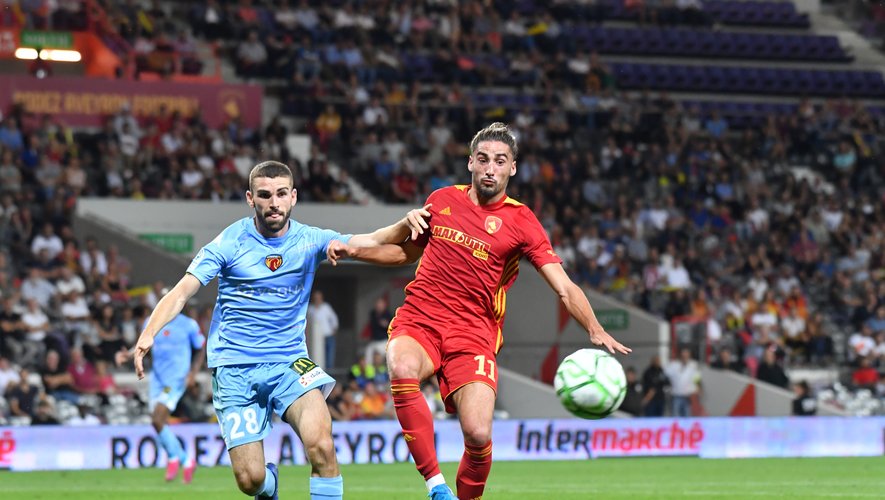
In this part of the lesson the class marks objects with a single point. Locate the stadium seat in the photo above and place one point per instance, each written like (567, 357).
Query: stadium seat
(693, 43)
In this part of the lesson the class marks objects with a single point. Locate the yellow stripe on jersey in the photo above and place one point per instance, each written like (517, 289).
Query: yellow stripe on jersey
(500, 303)
(509, 269)
(500, 300)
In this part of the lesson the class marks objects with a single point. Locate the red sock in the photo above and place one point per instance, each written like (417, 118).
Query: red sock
(476, 463)
(417, 423)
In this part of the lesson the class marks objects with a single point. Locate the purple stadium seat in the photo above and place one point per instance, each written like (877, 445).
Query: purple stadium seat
(804, 82)
(770, 81)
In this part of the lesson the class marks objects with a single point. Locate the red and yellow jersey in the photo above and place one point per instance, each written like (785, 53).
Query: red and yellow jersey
(471, 258)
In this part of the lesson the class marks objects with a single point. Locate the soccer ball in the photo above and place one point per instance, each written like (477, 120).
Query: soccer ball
(590, 383)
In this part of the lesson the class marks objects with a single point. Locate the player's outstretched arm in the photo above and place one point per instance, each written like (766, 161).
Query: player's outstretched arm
(197, 358)
(382, 255)
(167, 309)
(578, 306)
(414, 224)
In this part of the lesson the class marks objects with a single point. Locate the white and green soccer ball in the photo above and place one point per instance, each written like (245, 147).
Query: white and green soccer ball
(590, 383)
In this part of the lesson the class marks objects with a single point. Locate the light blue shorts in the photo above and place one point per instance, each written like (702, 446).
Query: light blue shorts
(244, 395)
(166, 395)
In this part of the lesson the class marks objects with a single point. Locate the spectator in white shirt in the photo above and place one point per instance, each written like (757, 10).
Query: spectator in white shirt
(793, 327)
(92, 260)
(792, 324)
(192, 177)
(76, 316)
(862, 343)
(677, 276)
(38, 288)
(251, 56)
(69, 282)
(8, 375)
(306, 16)
(49, 240)
(375, 113)
(758, 285)
(758, 217)
(324, 323)
(786, 280)
(124, 120)
(685, 377)
(588, 243)
(832, 215)
(286, 16)
(128, 142)
(763, 317)
(36, 324)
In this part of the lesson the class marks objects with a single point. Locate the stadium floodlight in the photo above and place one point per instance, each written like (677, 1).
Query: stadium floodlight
(48, 54)
(25, 53)
(60, 55)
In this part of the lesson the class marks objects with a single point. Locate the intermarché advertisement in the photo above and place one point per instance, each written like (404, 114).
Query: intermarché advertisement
(109, 447)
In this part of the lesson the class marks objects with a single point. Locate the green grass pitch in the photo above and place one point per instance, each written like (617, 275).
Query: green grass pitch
(594, 479)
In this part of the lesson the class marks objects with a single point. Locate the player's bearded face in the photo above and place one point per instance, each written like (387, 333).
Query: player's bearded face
(273, 218)
(491, 167)
(273, 199)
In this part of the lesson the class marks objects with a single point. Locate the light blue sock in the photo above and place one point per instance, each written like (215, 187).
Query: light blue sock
(171, 444)
(270, 484)
(324, 488)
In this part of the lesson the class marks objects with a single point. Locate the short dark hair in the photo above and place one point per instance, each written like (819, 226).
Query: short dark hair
(269, 169)
(495, 132)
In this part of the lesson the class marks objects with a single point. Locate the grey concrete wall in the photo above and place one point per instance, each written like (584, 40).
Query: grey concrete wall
(149, 263)
(524, 397)
(720, 390)
(532, 321)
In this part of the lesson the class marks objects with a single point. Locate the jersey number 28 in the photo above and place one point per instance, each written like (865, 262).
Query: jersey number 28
(251, 419)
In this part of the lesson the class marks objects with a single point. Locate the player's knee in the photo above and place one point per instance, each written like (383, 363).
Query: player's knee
(250, 479)
(476, 433)
(403, 366)
(321, 453)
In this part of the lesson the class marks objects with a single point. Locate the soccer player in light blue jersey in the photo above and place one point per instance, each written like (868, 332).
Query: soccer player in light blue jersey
(257, 349)
(177, 357)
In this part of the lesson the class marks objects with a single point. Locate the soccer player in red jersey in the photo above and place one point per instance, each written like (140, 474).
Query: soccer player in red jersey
(450, 322)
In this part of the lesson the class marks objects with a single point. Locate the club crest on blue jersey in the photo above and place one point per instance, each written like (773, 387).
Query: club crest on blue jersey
(273, 262)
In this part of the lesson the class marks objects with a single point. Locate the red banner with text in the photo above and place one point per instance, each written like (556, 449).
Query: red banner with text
(88, 102)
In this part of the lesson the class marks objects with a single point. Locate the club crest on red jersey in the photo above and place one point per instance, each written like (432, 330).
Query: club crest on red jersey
(493, 224)
(273, 262)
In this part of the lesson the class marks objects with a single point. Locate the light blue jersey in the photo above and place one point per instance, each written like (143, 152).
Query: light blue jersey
(263, 291)
(173, 346)
(172, 355)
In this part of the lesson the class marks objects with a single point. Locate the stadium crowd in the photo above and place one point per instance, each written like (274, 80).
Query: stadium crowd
(772, 231)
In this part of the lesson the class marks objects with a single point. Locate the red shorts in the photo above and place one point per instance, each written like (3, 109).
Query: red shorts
(459, 358)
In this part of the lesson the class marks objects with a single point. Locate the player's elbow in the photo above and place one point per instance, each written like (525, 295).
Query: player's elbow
(408, 259)
(398, 259)
(370, 240)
